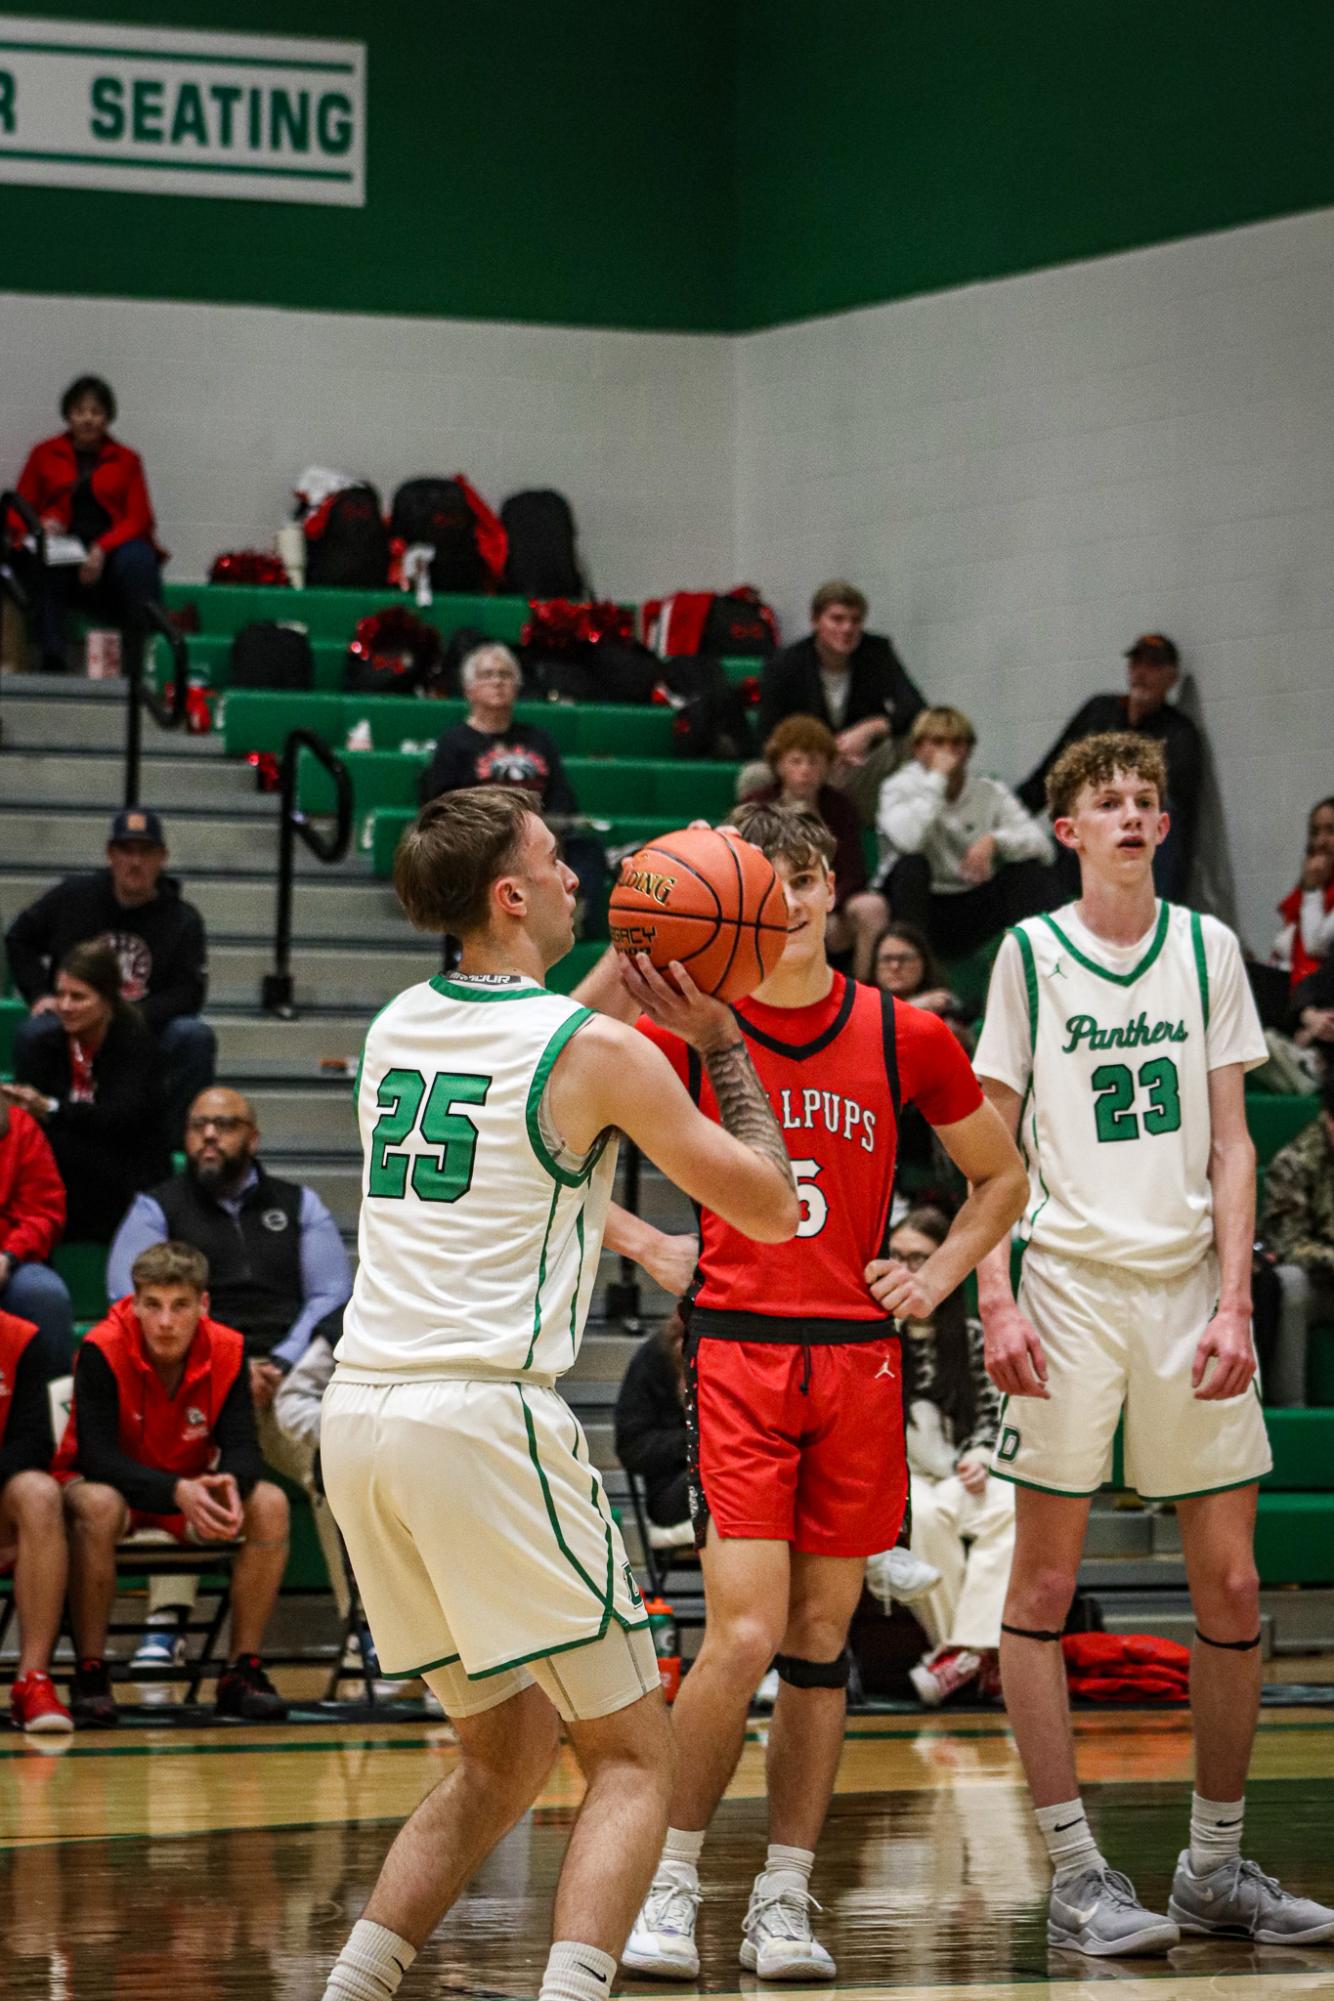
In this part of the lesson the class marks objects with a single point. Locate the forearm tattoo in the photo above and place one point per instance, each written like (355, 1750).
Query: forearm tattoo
(743, 1107)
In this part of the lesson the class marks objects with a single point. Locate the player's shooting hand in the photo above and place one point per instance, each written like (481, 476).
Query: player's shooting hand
(1226, 1343)
(671, 1261)
(697, 1018)
(903, 1292)
(1014, 1357)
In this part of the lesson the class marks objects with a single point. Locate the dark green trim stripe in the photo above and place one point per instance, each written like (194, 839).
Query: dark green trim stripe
(1198, 1493)
(578, 1281)
(1201, 963)
(169, 165)
(602, 1597)
(568, 1177)
(113, 54)
(547, 1653)
(410, 1674)
(1156, 944)
(1025, 944)
(1040, 1487)
(541, 1279)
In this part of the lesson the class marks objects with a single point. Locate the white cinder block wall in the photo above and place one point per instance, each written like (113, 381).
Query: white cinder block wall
(1024, 475)
(227, 405)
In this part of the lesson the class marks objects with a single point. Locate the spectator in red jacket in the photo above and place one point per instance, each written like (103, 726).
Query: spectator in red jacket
(32, 1528)
(85, 483)
(32, 1220)
(161, 1435)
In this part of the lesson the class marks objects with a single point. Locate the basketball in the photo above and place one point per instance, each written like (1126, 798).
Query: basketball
(712, 902)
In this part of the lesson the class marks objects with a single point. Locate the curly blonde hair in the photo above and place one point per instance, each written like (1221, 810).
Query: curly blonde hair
(1096, 759)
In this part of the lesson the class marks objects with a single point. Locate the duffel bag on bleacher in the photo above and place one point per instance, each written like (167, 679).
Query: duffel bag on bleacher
(347, 543)
(729, 625)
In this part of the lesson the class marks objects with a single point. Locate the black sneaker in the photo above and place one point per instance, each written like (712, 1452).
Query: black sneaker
(91, 1703)
(245, 1690)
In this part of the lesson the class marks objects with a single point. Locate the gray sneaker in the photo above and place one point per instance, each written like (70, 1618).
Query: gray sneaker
(1237, 1900)
(1099, 1913)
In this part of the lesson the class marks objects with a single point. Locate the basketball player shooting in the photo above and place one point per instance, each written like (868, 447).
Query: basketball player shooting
(480, 1535)
(1117, 1036)
(795, 1384)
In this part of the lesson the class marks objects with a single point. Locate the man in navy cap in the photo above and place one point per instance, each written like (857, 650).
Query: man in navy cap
(1153, 667)
(157, 936)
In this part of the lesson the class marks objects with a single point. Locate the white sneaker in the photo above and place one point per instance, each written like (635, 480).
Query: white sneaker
(662, 1943)
(777, 1942)
(897, 1576)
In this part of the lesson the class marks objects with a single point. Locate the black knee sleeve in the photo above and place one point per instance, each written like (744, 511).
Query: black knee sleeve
(1229, 1646)
(1028, 1632)
(798, 1673)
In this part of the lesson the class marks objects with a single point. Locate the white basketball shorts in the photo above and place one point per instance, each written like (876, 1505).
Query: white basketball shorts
(1117, 1340)
(483, 1545)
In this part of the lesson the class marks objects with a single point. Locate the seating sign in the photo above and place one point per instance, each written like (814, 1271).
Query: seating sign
(178, 111)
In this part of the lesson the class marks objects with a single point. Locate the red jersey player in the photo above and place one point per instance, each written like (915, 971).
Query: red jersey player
(795, 1384)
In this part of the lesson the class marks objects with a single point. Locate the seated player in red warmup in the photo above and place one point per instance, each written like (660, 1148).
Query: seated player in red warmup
(32, 1526)
(795, 1385)
(161, 1435)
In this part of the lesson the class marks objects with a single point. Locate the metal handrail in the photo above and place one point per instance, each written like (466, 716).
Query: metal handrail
(141, 694)
(277, 988)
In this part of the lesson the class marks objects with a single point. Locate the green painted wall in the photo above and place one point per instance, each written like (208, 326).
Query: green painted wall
(890, 147)
(524, 162)
(716, 164)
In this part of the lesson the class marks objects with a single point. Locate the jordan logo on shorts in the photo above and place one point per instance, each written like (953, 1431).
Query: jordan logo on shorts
(884, 1370)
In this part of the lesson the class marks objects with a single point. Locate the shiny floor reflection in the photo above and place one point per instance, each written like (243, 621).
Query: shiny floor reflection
(935, 1888)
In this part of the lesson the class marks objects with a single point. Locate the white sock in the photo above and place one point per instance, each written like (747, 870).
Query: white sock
(794, 1863)
(681, 1852)
(577, 1972)
(370, 1965)
(1069, 1842)
(1215, 1832)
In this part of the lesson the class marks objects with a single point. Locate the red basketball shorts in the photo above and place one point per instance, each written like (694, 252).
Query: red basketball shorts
(802, 1445)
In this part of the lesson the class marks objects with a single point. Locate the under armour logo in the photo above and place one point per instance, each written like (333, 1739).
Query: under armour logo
(885, 1370)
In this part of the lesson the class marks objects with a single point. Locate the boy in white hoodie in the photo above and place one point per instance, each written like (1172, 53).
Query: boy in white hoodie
(961, 857)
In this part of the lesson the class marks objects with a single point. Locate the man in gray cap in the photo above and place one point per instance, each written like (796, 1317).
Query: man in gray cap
(158, 937)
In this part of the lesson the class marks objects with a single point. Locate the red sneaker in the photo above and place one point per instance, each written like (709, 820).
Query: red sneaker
(943, 1673)
(988, 1677)
(35, 1707)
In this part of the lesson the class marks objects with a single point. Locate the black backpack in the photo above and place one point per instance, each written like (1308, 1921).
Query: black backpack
(739, 626)
(350, 549)
(713, 718)
(393, 652)
(542, 562)
(269, 655)
(436, 511)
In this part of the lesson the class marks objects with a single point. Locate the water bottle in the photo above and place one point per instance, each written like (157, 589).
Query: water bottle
(666, 1645)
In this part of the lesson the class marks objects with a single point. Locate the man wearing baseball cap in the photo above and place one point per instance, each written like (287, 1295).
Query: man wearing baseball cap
(1152, 670)
(158, 937)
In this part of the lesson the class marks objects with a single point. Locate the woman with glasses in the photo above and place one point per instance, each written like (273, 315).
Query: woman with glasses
(962, 1518)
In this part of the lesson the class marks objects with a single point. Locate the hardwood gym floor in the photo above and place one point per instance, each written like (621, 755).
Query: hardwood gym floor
(219, 1864)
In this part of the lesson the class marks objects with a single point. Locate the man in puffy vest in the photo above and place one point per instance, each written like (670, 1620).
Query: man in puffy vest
(161, 1435)
(32, 1529)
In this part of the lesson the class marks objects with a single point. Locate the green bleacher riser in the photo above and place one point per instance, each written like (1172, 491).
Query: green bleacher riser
(12, 1013)
(1274, 1121)
(606, 788)
(738, 671)
(254, 720)
(1320, 1366)
(331, 615)
(1303, 1446)
(84, 1270)
(1294, 1539)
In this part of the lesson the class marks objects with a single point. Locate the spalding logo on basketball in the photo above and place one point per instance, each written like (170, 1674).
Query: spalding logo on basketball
(710, 901)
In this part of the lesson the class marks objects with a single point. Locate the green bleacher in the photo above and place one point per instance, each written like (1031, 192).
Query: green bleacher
(260, 721)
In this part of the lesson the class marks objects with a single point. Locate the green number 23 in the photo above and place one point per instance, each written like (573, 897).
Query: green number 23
(1115, 1087)
(444, 1173)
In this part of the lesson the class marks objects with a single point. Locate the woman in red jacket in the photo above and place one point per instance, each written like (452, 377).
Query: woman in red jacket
(84, 483)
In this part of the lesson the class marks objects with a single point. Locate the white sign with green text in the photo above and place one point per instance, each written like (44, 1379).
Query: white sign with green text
(173, 111)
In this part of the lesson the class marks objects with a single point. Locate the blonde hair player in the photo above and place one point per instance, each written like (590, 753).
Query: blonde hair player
(480, 1535)
(1117, 1036)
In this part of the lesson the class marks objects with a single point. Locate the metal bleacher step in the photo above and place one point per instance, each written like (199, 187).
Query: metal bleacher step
(169, 783)
(358, 974)
(46, 712)
(248, 1040)
(69, 838)
(347, 905)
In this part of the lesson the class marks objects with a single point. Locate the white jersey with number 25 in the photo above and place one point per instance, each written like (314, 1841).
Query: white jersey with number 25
(478, 1243)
